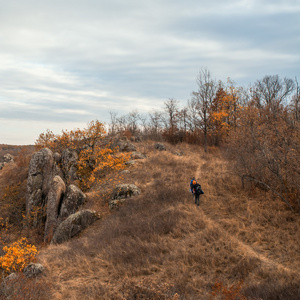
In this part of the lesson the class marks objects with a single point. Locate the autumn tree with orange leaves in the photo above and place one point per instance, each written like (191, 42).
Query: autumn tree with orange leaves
(223, 112)
(95, 160)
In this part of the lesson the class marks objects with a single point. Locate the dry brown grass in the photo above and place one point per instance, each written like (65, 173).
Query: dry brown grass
(159, 245)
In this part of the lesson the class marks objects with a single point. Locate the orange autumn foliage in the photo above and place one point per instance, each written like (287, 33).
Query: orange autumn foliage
(95, 160)
(224, 112)
(17, 256)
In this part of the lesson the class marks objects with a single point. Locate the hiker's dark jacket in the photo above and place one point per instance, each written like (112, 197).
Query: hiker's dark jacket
(195, 190)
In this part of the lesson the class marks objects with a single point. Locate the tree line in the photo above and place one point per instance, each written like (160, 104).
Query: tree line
(258, 127)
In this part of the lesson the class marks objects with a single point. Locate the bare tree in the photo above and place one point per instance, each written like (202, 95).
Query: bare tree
(113, 121)
(133, 118)
(272, 90)
(296, 102)
(155, 123)
(203, 98)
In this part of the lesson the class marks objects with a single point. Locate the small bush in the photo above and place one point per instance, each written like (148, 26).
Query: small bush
(17, 256)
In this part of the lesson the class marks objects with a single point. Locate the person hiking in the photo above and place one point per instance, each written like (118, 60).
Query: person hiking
(197, 191)
(193, 181)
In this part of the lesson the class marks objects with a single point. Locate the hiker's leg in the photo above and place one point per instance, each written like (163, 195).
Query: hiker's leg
(198, 199)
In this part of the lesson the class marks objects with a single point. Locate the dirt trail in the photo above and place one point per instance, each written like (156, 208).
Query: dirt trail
(242, 247)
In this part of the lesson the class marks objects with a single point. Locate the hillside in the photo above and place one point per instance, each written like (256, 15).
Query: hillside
(159, 245)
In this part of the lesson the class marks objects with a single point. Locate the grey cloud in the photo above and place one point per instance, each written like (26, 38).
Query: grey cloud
(78, 59)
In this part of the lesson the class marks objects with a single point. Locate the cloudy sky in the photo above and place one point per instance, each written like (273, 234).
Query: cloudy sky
(64, 63)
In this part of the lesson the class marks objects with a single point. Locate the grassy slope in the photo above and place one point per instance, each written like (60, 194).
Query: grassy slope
(160, 243)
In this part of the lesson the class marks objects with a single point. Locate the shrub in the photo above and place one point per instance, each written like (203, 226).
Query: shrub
(17, 256)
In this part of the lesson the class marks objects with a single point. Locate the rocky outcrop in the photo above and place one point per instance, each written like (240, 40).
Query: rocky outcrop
(48, 177)
(160, 147)
(55, 198)
(73, 199)
(73, 225)
(122, 191)
(33, 270)
(40, 175)
(69, 159)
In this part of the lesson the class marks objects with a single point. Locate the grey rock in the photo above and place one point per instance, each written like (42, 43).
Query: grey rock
(73, 199)
(73, 225)
(39, 177)
(33, 270)
(122, 191)
(57, 157)
(160, 147)
(69, 160)
(55, 195)
(179, 153)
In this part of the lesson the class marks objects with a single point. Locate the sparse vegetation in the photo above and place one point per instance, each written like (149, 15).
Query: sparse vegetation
(241, 243)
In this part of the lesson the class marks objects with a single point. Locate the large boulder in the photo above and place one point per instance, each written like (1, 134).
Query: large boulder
(73, 225)
(39, 178)
(55, 196)
(122, 191)
(73, 199)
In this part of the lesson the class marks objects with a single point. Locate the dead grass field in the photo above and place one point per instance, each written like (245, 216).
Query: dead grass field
(159, 245)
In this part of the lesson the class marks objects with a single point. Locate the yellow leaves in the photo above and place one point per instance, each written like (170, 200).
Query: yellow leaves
(104, 160)
(17, 256)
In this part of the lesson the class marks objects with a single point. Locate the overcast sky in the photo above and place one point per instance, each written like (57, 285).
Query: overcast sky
(64, 63)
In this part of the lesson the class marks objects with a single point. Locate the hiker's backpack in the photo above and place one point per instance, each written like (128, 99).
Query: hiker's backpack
(198, 190)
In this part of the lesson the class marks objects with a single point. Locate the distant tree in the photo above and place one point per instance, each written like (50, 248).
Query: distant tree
(155, 123)
(113, 121)
(133, 122)
(171, 119)
(272, 90)
(203, 98)
(295, 103)
(264, 149)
